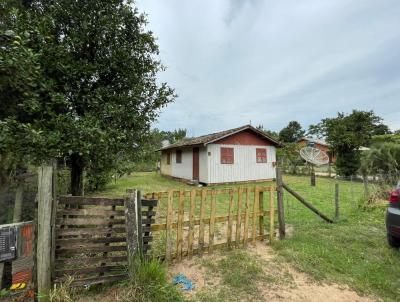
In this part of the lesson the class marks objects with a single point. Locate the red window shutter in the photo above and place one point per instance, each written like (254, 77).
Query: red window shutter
(227, 155)
(261, 155)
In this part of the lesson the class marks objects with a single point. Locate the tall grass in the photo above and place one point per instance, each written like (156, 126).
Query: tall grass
(148, 282)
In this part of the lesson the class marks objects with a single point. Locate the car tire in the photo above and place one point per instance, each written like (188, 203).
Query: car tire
(393, 241)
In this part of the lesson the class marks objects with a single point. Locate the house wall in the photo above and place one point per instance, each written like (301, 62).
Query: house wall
(185, 169)
(203, 165)
(165, 169)
(245, 167)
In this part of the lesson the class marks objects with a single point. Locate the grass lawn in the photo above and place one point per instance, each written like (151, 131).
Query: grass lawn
(352, 251)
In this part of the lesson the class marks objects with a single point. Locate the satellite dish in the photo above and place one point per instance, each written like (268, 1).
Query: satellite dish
(314, 156)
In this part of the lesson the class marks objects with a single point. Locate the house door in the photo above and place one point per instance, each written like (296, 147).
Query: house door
(196, 163)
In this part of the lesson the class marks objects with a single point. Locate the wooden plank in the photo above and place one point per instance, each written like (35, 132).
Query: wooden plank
(191, 222)
(169, 225)
(74, 222)
(179, 235)
(201, 222)
(64, 263)
(255, 209)
(261, 209)
(271, 215)
(164, 194)
(85, 232)
(84, 250)
(246, 218)
(88, 212)
(238, 216)
(147, 221)
(218, 219)
(75, 272)
(99, 201)
(149, 202)
(230, 218)
(147, 239)
(212, 221)
(216, 246)
(149, 213)
(87, 241)
(96, 280)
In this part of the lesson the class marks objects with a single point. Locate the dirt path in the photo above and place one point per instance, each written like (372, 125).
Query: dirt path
(287, 284)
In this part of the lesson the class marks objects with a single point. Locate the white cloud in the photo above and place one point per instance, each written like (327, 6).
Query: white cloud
(275, 61)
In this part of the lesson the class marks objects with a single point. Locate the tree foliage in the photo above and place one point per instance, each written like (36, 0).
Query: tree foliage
(384, 160)
(270, 133)
(289, 157)
(78, 80)
(346, 134)
(291, 133)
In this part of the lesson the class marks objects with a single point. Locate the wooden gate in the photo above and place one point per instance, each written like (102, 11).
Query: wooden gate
(201, 220)
(90, 242)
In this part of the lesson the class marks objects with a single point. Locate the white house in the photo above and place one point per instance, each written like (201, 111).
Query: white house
(236, 155)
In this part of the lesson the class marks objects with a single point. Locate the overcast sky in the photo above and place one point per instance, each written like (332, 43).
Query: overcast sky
(270, 62)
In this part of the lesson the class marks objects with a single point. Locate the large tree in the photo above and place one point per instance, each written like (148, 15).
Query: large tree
(346, 134)
(80, 82)
(291, 133)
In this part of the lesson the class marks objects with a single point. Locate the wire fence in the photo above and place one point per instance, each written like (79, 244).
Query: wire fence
(25, 188)
(354, 193)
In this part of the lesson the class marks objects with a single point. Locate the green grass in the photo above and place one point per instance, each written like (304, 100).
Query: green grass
(239, 274)
(352, 251)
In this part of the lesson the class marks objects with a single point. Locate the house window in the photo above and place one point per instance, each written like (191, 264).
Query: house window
(227, 156)
(168, 158)
(178, 156)
(261, 155)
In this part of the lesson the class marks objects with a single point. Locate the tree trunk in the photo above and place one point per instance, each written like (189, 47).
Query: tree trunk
(19, 197)
(76, 175)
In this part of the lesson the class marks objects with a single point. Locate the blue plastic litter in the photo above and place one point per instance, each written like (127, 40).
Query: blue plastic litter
(181, 279)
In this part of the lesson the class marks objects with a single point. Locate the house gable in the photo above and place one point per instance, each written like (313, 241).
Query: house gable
(245, 137)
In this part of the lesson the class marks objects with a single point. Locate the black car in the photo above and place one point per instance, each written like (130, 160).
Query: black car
(393, 218)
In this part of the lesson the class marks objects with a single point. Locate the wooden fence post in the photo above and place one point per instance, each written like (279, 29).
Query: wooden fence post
(139, 223)
(1, 274)
(281, 212)
(366, 187)
(271, 215)
(44, 240)
(336, 201)
(131, 227)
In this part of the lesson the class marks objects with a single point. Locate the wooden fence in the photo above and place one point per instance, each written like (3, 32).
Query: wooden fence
(201, 220)
(90, 242)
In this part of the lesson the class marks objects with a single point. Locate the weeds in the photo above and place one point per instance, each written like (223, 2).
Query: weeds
(63, 292)
(148, 282)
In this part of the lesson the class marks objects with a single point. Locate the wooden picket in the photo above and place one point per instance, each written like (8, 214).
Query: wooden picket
(192, 219)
